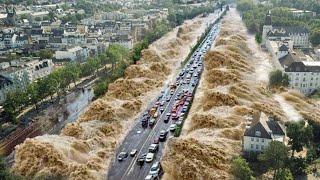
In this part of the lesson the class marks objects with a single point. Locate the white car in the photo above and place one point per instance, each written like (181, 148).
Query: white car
(155, 169)
(173, 127)
(149, 157)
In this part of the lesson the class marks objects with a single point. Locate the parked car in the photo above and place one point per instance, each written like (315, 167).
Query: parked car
(133, 152)
(149, 157)
(122, 156)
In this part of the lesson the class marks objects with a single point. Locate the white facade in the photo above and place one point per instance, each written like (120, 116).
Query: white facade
(74, 54)
(258, 136)
(305, 82)
(266, 29)
(255, 143)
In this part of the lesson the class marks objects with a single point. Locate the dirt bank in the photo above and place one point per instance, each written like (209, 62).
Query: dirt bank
(231, 90)
(84, 148)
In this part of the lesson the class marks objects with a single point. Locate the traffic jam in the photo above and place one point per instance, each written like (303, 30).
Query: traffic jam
(165, 117)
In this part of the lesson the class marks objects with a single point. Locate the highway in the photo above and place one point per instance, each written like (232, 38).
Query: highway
(140, 137)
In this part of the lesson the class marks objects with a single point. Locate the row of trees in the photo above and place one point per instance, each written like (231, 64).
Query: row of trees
(58, 82)
(254, 16)
(277, 158)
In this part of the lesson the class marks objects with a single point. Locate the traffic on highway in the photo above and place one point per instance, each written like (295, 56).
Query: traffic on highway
(139, 155)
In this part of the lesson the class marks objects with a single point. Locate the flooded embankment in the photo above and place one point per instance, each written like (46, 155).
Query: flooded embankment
(84, 148)
(232, 89)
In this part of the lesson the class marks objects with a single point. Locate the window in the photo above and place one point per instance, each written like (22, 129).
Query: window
(252, 139)
(257, 146)
(262, 147)
(262, 140)
(310, 84)
(257, 139)
(251, 146)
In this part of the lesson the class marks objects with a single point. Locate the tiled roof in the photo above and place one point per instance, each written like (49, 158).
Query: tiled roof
(264, 128)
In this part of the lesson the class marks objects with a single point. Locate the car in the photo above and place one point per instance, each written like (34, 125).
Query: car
(153, 148)
(155, 169)
(168, 99)
(156, 141)
(195, 75)
(179, 122)
(166, 119)
(193, 84)
(168, 114)
(161, 109)
(152, 122)
(122, 155)
(163, 135)
(133, 152)
(172, 127)
(174, 116)
(149, 177)
(162, 103)
(155, 115)
(157, 103)
(141, 159)
(144, 122)
(171, 92)
(149, 157)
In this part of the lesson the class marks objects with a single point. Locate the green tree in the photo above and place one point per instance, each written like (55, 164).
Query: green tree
(240, 169)
(100, 89)
(277, 78)
(45, 54)
(275, 156)
(284, 174)
(315, 36)
(298, 166)
(300, 135)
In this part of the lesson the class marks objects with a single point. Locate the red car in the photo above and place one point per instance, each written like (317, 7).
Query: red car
(156, 141)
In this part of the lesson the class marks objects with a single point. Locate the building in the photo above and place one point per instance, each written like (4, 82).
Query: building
(298, 35)
(317, 53)
(19, 73)
(5, 86)
(304, 75)
(261, 132)
(73, 54)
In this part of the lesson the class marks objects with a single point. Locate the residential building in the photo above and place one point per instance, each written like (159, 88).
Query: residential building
(304, 75)
(261, 132)
(298, 35)
(5, 87)
(73, 54)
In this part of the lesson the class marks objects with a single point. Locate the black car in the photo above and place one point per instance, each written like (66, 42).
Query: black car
(144, 122)
(141, 159)
(122, 156)
(166, 119)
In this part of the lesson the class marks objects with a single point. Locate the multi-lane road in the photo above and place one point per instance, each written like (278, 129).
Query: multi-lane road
(139, 137)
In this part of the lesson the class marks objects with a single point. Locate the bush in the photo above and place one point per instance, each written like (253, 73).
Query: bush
(240, 169)
(99, 89)
(277, 78)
